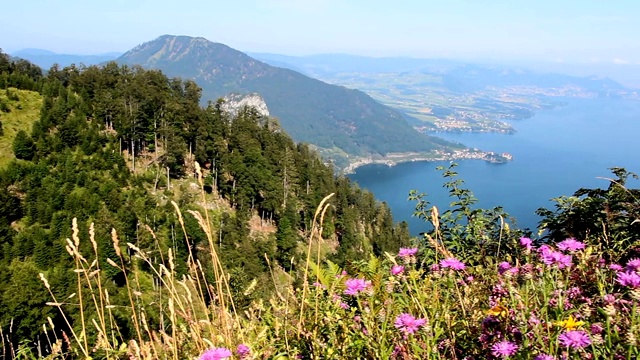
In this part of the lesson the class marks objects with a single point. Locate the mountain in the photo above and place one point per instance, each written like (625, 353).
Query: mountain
(339, 121)
(45, 58)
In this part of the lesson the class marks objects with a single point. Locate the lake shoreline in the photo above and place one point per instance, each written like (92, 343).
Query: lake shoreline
(393, 159)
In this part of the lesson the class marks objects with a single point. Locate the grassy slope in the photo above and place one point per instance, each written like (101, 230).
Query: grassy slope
(23, 113)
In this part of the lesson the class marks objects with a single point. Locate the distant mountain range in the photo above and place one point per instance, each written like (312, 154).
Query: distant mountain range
(457, 76)
(45, 58)
(341, 122)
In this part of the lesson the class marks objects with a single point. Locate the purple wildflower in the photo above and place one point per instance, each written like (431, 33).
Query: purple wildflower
(629, 278)
(544, 249)
(556, 258)
(435, 267)
(615, 267)
(596, 329)
(397, 269)
(526, 243)
(609, 299)
(575, 339)
(503, 267)
(216, 354)
(504, 349)
(354, 286)
(633, 265)
(544, 357)
(344, 305)
(452, 263)
(407, 252)
(526, 268)
(533, 320)
(570, 245)
(243, 351)
(408, 324)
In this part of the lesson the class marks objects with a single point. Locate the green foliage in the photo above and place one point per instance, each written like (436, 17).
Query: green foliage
(19, 74)
(23, 146)
(609, 217)
(474, 234)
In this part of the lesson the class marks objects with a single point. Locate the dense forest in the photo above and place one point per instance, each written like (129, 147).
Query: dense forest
(114, 145)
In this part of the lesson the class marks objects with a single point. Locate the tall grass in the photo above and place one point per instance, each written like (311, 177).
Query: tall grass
(541, 302)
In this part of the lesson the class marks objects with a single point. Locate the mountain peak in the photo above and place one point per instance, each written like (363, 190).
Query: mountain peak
(190, 55)
(340, 120)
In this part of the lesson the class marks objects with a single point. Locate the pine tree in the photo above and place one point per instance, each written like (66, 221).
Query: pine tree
(23, 146)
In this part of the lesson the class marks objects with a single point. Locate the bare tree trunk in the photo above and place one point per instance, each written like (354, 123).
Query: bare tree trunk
(155, 183)
(155, 138)
(285, 186)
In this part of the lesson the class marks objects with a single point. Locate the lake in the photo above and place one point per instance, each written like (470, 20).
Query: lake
(555, 153)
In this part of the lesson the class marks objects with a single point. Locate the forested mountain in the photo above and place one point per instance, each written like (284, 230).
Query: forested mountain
(113, 146)
(338, 120)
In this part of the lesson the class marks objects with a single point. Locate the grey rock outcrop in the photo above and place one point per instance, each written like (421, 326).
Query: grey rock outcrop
(234, 102)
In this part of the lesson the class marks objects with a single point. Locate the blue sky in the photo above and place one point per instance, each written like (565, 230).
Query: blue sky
(560, 30)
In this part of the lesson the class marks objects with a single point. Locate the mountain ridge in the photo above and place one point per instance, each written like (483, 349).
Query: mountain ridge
(341, 122)
(46, 58)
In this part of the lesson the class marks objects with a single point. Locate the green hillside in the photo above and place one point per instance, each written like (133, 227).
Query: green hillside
(18, 110)
(338, 120)
(114, 148)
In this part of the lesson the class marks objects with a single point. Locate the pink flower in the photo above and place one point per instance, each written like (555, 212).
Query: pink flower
(526, 243)
(596, 329)
(216, 354)
(575, 338)
(629, 278)
(544, 357)
(556, 258)
(408, 324)
(407, 252)
(397, 270)
(504, 349)
(633, 265)
(452, 263)
(570, 245)
(355, 286)
(243, 351)
(615, 267)
(503, 267)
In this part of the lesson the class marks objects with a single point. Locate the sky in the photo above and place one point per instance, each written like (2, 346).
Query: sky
(563, 31)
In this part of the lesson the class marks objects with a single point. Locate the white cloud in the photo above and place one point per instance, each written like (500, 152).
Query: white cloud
(619, 61)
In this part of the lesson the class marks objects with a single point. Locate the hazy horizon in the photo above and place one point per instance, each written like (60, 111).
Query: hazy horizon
(566, 31)
(588, 33)
(626, 74)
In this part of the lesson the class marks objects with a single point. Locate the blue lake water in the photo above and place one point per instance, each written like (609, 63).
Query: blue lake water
(556, 152)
